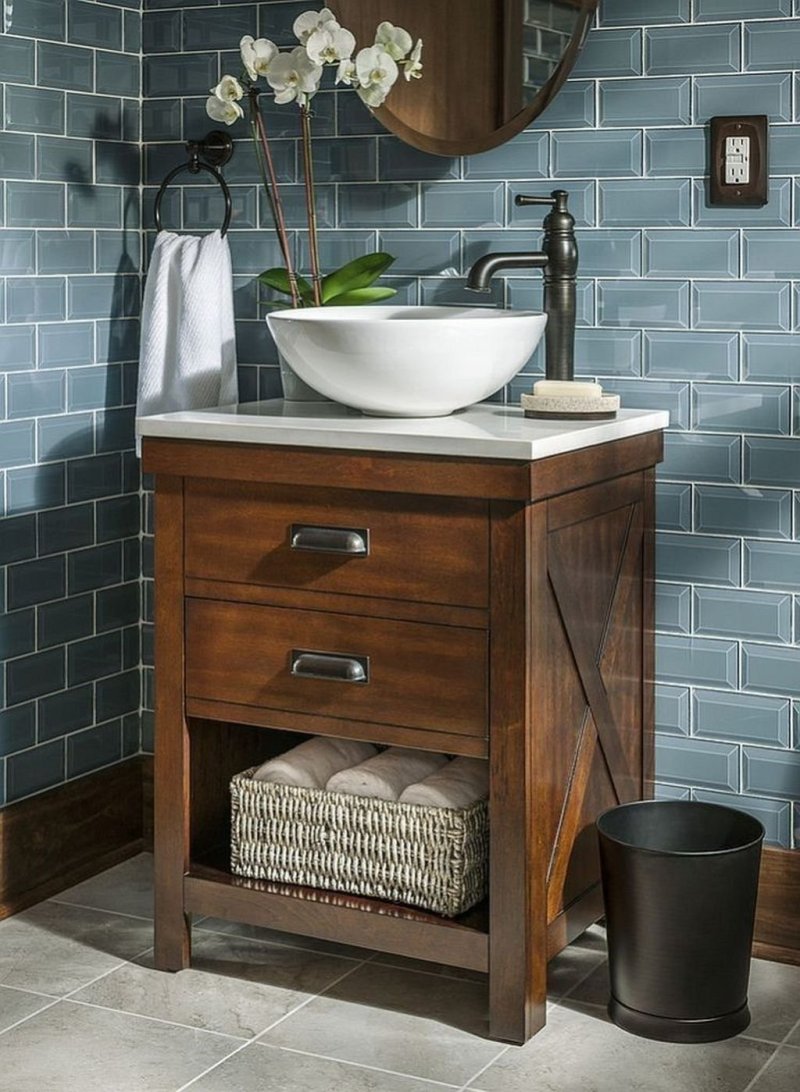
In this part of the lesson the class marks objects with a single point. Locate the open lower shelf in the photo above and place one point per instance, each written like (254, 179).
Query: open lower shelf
(336, 916)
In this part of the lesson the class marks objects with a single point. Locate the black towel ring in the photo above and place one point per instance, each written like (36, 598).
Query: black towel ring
(204, 155)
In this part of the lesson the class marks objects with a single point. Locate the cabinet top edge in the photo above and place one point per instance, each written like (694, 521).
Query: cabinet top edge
(484, 431)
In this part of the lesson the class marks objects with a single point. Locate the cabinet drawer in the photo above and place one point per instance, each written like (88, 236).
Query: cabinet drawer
(404, 673)
(390, 546)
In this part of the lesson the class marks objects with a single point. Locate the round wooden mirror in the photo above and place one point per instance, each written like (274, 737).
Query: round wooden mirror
(490, 66)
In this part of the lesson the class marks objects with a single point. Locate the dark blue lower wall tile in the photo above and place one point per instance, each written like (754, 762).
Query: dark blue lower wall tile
(95, 567)
(118, 607)
(17, 633)
(34, 770)
(118, 695)
(94, 658)
(18, 540)
(62, 713)
(17, 728)
(94, 748)
(35, 675)
(65, 620)
(32, 582)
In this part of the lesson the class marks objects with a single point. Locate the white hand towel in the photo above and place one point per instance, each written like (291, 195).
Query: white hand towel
(457, 785)
(187, 358)
(312, 763)
(386, 775)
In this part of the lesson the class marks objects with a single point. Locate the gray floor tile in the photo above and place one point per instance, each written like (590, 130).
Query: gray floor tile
(422, 1025)
(16, 1005)
(235, 986)
(794, 1038)
(577, 961)
(75, 1048)
(126, 889)
(260, 1068)
(579, 1051)
(782, 1074)
(54, 948)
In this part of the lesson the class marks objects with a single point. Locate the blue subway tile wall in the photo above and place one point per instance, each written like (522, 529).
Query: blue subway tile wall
(69, 259)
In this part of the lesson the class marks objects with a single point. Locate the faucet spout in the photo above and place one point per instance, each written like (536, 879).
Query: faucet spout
(558, 258)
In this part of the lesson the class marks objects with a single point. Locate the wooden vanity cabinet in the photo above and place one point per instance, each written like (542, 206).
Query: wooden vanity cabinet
(505, 610)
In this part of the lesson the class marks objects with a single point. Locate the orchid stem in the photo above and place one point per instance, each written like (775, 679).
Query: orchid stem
(311, 210)
(267, 165)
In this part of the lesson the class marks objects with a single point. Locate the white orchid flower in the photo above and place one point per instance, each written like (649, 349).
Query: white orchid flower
(346, 72)
(257, 55)
(412, 69)
(294, 76)
(305, 24)
(377, 72)
(226, 111)
(330, 44)
(228, 89)
(393, 40)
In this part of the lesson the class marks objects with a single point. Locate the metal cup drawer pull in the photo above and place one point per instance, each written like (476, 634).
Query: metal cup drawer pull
(327, 665)
(351, 541)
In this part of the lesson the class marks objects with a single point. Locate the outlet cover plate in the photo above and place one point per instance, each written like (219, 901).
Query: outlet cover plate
(752, 130)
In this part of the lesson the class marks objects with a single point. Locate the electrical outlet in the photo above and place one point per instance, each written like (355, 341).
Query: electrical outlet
(738, 167)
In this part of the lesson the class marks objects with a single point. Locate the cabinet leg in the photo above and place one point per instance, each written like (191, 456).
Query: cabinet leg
(173, 940)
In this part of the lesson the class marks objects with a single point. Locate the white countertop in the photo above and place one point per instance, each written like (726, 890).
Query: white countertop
(485, 431)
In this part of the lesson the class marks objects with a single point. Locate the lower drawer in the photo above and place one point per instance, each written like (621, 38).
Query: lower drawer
(338, 665)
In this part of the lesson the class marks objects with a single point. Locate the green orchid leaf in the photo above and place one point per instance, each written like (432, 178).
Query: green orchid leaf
(278, 279)
(360, 273)
(361, 295)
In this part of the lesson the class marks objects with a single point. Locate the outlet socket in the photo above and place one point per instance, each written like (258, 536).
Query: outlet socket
(738, 161)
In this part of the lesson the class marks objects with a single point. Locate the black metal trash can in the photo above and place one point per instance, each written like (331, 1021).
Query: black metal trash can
(679, 881)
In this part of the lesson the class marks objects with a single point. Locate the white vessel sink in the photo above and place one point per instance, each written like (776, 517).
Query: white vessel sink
(406, 361)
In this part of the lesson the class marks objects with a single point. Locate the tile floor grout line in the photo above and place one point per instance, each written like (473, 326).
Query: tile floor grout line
(99, 910)
(267, 1029)
(582, 979)
(362, 1065)
(785, 1040)
(482, 1070)
(154, 1019)
(31, 993)
(762, 1070)
(30, 1016)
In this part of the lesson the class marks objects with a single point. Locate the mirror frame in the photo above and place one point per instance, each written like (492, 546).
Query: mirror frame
(520, 121)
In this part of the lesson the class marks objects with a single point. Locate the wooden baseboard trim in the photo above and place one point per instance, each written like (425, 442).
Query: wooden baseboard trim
(777, 934)
(59, 838)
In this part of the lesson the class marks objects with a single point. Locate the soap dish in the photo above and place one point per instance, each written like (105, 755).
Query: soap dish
(560, 408)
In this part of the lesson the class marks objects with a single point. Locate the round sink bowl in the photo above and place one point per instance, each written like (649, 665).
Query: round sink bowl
(406, 361)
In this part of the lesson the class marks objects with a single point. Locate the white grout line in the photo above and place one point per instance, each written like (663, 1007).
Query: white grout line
(483, 1069)
(99, 909)
(362, 1065)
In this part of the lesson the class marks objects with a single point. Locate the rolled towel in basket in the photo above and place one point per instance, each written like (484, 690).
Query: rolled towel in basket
(385, 776)
(459, 784)
(309, 765)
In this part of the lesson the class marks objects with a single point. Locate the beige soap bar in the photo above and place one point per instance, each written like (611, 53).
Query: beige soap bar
(559, 388)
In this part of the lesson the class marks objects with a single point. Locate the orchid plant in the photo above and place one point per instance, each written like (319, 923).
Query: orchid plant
(294, 76)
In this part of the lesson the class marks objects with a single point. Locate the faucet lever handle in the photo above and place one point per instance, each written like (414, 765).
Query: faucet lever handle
(532, 199)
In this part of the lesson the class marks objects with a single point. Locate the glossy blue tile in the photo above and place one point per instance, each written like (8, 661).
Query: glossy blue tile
(63, 529)
(17, 252)
(708, 10)
(218, 28)
(35, 770)
(94, 658)
(17, 728)
(97, 116)
(161, 119)
(161, 32)
(693, 252)
(96, 206)
(103, 297)
(62, 713)
(37, 19)
(525, 156)
(673, 608)
(18, 60)
(673, 507)
(423, 253)
(697, 762)
(675, 151)
(654, 394)
(745, 718)
(345, 159)
(672, 709)
(760, 616)
(380, 205)
(17, 155)
(610, 253)
(633, 13)
(671, 792)
(66, 252)
(771, 669)
(572, 108)
(117, 74)
(399, 162)
(115, 429)
(63, 159)
(34, 109)
(17, 348)
(118, 340)
(607, 352)
(784, 148)
(116, 163)
(740, 305)
(776, 817)
(17, 443)
(769, 461)
(690, 355)
(750, 94)
(95, 567)
(65, 620)
(18, 542)
(100, 476)
(611, 53)
(597, 153)
(34, 393)
(736, 408)
(117, 607)
(40, 299)
(759, 513)
(776, 213)
(774, 565)
(32, 582)
(698, 558)
(117, 252)
(663, 202)
(582, 202)
(770, 254)
(94, 748)
(34, 204)
(648, 102)
(771, 46)
(17, 633)
(132, 30)
(66, 66)
(182, 74)
(771, 358)
(117, 518)
(461, 204)
(95, 24)
(689, 458)
(65, 343)
(662, 304)
(695, 49)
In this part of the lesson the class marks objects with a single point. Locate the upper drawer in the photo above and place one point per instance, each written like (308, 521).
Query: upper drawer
(430, 550)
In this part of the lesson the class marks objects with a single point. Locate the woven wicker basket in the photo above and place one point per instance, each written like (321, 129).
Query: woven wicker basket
(432, 858)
